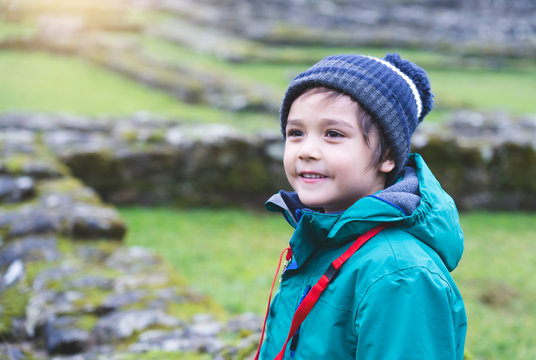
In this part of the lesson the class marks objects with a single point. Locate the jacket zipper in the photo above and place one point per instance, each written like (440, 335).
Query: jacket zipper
(295, 338)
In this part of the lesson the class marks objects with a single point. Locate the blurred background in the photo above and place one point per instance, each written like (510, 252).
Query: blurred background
(155, 123)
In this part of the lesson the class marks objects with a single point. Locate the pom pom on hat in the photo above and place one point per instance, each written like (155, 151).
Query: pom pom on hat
(394, 91)
(419, 78)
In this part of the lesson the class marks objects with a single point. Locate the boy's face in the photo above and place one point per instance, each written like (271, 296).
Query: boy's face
(327, 161)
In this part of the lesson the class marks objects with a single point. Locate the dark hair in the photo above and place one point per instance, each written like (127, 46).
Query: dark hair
(365, 122)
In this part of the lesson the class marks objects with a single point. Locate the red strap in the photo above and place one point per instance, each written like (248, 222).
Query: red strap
(287, 258)
(313, 295)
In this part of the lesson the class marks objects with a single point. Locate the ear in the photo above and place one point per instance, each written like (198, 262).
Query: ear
(387, 164)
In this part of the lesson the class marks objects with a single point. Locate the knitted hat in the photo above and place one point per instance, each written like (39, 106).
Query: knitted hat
(394, 91)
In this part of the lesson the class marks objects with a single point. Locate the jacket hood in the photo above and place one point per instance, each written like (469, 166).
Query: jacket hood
(416, 203)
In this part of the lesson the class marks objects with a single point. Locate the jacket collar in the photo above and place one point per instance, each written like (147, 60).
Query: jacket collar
(434, 220)
(315, 228)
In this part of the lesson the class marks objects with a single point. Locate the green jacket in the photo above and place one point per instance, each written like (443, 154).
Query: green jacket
(394, 298)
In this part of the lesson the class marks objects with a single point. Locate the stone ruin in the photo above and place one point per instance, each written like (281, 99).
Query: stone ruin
(495, 28)
(69, 286)
(484, 160)
(69, 289)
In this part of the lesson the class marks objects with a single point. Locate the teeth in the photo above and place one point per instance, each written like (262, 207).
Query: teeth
(312, 176)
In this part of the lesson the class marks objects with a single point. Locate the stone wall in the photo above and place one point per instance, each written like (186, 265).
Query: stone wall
(69, 289)
(470, 27)
(483, 160)
(143, 160)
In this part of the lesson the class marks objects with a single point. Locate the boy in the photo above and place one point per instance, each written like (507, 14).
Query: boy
(347, 124)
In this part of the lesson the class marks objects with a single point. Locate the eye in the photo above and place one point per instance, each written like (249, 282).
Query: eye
(334, 133)
(294, 133)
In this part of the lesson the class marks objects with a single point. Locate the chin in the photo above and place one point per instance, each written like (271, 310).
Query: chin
(311, 204)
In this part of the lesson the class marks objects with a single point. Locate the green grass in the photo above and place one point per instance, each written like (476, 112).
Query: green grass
(248, 73)
(53, 83)
(228, 255)
(512, 90)
(35, 81)
(13, 29)
(44, 82)
(496, 277)
(231, 255)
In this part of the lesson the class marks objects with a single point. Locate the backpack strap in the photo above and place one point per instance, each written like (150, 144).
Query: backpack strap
(312, 297)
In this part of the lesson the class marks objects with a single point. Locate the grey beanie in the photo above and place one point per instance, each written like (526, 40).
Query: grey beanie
(394, 91)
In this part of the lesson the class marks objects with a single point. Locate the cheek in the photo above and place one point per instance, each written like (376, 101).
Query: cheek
(344, 162)
(350, 168)
(288, 159)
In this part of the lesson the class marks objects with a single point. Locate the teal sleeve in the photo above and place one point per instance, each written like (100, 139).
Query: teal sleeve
(408, 315)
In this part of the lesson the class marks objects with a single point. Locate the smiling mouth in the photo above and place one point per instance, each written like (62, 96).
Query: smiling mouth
(312, 176)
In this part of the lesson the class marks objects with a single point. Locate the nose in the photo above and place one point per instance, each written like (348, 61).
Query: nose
(309, 149)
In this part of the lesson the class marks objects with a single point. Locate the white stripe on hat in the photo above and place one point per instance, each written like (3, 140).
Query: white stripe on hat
(407, 79)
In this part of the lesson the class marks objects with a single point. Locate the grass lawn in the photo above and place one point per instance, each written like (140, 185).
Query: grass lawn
(34, 81)
(51, 83)
(512, 90)
(231, 255)
(11, 29)
(227, 254)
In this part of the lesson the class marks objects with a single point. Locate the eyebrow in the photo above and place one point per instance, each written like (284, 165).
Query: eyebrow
(325, 122)
(294, 122)
(337, 122)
